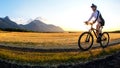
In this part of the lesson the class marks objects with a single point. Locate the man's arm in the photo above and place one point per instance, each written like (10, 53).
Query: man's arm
(90, 17)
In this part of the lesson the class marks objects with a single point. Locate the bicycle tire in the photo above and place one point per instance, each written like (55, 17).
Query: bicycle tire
(81, 38)
(107, 38)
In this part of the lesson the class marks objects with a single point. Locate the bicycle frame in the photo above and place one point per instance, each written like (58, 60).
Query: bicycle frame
(93, 30)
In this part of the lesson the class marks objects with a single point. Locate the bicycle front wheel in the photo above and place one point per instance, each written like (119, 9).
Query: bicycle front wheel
(104, 39)
(85, 41)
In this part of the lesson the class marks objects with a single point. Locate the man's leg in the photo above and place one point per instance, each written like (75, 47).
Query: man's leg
(98, 26)
(98, 29)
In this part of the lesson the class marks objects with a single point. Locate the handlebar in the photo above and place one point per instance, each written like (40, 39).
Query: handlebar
(89, 23)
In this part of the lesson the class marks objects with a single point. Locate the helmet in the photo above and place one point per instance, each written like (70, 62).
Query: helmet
(93, 5)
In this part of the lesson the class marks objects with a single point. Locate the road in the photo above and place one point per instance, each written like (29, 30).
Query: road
(74, 49)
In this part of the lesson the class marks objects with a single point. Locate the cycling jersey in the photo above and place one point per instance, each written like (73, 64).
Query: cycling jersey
(95, 15)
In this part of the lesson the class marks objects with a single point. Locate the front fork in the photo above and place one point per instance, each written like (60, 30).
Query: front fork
(87, 38)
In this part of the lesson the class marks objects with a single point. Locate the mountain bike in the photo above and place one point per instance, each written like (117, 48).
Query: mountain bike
(86, 39)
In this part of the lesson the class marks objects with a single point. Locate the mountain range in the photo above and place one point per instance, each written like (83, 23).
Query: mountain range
(34, 25)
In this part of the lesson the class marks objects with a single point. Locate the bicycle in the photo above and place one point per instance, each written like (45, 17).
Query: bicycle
(86, 39)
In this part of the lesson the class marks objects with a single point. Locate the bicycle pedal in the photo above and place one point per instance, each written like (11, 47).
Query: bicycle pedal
(98, 40)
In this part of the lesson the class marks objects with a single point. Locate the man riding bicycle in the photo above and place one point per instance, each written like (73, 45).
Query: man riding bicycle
(99, 19)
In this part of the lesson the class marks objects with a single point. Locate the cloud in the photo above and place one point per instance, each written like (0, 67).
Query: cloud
(19, 20)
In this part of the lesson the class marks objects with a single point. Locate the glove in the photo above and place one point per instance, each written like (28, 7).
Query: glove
(94, 21)
(86, 22)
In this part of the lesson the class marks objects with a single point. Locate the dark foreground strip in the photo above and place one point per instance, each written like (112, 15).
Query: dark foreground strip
(52, 50)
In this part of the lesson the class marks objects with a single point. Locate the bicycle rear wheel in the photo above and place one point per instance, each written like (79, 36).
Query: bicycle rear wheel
(85, 41)
(104, 39)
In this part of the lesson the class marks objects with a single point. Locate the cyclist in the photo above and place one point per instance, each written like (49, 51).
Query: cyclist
(99, 19)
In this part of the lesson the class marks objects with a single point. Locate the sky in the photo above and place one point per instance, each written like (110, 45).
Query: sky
(68, 14)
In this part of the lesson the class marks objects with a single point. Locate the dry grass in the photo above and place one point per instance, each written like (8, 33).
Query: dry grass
(38, 38)
(46, 40)
(114, 36)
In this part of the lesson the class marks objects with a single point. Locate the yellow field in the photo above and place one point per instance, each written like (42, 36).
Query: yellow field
(45, 40)
(39, 39)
